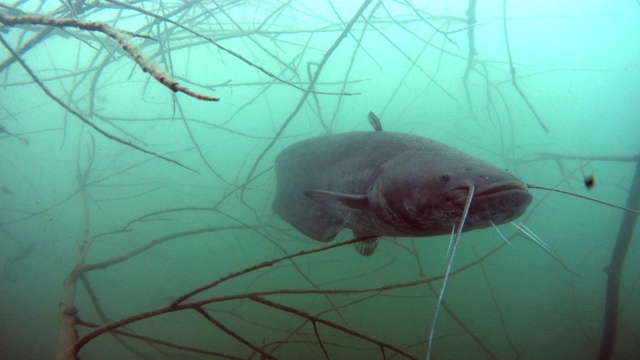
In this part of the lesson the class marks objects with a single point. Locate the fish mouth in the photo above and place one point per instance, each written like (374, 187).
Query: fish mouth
(459, 194)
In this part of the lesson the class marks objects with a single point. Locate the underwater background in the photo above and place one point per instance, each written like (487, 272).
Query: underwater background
(120, 197)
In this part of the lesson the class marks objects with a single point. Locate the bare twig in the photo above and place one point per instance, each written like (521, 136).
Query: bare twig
(512, 69)
(80, 116)
(169, 344)
(320, 342)
(232, 333)
(68, 316)
(413, 62)
(494, 298)
(614, 270)
(223, 48)
(312, 83)
(471, 53)
(162, 76)
(315, 319)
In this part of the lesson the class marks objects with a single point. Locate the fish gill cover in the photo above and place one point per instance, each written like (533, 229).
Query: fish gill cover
(137, 150)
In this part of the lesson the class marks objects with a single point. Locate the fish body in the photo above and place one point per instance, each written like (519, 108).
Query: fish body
(389, 184)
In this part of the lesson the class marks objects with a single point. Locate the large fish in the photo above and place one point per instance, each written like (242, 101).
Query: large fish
(390, 184)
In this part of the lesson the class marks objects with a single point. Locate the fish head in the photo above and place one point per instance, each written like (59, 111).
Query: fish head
(426, 195)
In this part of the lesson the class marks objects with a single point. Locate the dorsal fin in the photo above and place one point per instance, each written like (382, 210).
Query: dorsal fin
(374, 121)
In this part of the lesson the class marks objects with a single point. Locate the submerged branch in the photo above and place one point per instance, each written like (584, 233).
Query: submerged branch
(614, 270)
(512, 69)
(79, 115)
(181, 304)
(162, 76)
(219, 46)
(304, 96)
(471, 53)
(315, 319)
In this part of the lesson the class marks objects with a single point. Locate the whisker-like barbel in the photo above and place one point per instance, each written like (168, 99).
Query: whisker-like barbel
(531, 186)
(449, 264)
(530, 235)
(501, 234)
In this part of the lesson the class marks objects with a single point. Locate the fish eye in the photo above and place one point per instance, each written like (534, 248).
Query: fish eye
(445, 177)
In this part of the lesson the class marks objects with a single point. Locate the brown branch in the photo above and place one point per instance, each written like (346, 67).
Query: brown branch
(463, 325)
(471, 22)
(179, 304)
(435, 28)
(350, 67)
(580, 319)
(289, 336)
(315, 319)
(233, 334)
(513, 69)
(162, 76)
(169, 344)
(78, 114)
(260, 266)
(227, 50)
(116, 260)
(315, 330)
(614, 270)
(494, 299)
(413, 62)
(102, 315)
(307, 91)
(68, 319)
(414, 251)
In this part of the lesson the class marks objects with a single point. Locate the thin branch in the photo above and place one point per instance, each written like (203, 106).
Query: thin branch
(614, 270)
(412, 61)
(471, 22)
(169, 344)
(269, 263)
(315, 330)
(494, 298)
(512, 69)
(68, 313)
(103, 316)
(118, 259)
(162, 76)
(219, 46)
(80, 116)
(233, 334)
(312, 83)
(180, 304)
(315, 319)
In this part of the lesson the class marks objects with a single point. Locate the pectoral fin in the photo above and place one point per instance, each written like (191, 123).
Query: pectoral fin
(366, 247)
(351, 201)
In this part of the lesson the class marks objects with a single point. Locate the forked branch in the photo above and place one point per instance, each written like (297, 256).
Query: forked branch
(147, 66)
